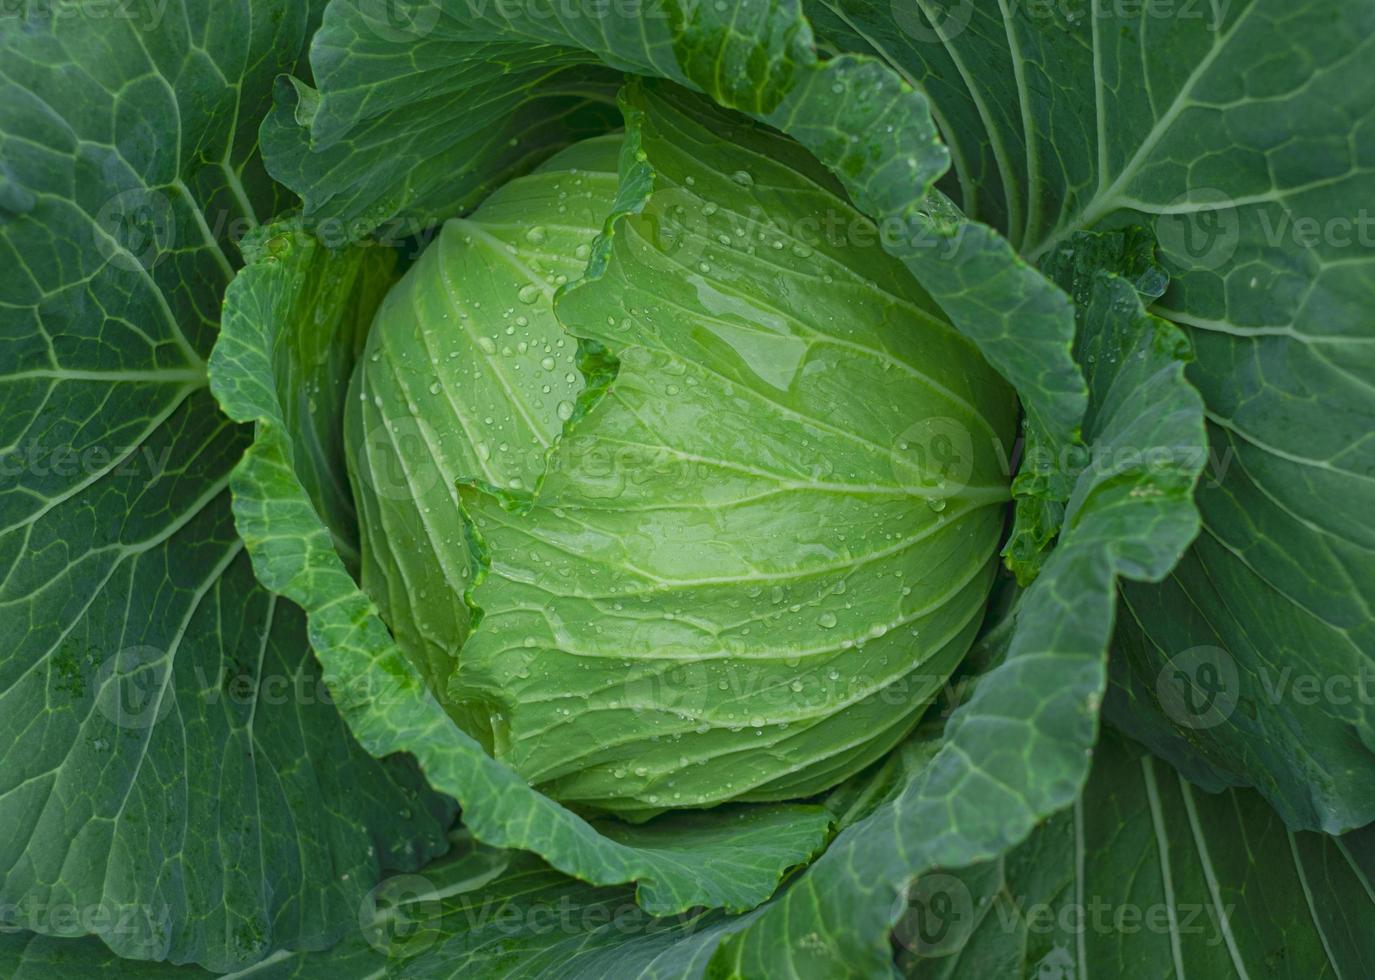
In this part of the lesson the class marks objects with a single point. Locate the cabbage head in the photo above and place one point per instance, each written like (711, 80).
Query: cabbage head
(703, 509)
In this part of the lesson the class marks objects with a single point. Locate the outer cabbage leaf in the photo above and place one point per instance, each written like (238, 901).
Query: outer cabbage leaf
(1147, 876)
(1243, 136)
(737, 855)
(403, 151)
(477, 911)
(1144, 875)
(1017, 750)
(172, 777)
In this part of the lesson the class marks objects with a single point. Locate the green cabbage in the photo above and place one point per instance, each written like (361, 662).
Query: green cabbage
(725, 512)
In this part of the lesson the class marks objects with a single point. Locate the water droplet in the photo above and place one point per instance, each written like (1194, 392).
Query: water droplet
(826, 620)
(564, 410)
